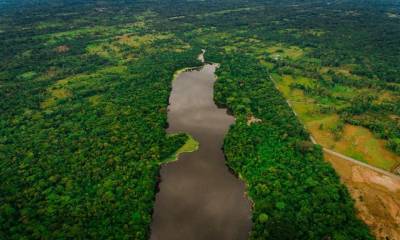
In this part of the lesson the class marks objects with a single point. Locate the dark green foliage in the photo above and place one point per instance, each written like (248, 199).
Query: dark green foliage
(296, 194)
(86, 165)
(84, 171)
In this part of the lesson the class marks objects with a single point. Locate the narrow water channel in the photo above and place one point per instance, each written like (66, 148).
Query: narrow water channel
(199, 197)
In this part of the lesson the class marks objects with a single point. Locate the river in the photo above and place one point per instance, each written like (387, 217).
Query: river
(199, 198)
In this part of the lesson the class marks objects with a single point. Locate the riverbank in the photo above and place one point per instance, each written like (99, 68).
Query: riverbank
(199, 197)
(190, 145)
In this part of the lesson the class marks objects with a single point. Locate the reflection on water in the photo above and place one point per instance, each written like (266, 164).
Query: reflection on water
(199, 198)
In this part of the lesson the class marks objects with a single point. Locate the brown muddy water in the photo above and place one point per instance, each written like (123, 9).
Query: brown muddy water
(199, 197)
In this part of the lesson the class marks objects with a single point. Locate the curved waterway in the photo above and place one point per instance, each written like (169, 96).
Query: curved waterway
(199, 197)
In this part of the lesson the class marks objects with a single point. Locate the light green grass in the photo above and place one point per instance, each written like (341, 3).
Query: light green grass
(180, 71)
(27, 75)
(191, 145)
(280, 51)
(45, 25)
(222, 12)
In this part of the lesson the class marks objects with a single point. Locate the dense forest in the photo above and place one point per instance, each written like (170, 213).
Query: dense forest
(85, 86)
(82, 127)
(296, 194)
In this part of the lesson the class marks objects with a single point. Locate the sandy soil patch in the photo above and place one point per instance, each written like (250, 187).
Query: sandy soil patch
(252, 119)
(62, 49)
(377, 197)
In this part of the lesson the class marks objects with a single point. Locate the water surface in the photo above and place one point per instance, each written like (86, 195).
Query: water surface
(199, 197)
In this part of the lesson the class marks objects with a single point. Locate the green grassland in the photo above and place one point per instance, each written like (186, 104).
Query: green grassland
(317, 101)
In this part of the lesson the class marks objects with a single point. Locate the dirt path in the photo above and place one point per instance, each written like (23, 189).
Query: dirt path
(339, 155)
(354, 161)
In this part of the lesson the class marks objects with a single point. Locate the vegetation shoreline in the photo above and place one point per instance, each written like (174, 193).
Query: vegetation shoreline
(190, 145)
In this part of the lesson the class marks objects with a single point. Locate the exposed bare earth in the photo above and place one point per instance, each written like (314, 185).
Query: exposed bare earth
(377, 196)
(252, 119)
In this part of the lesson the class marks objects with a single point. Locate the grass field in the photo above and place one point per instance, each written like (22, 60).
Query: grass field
(328, 129)
(280, 51)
